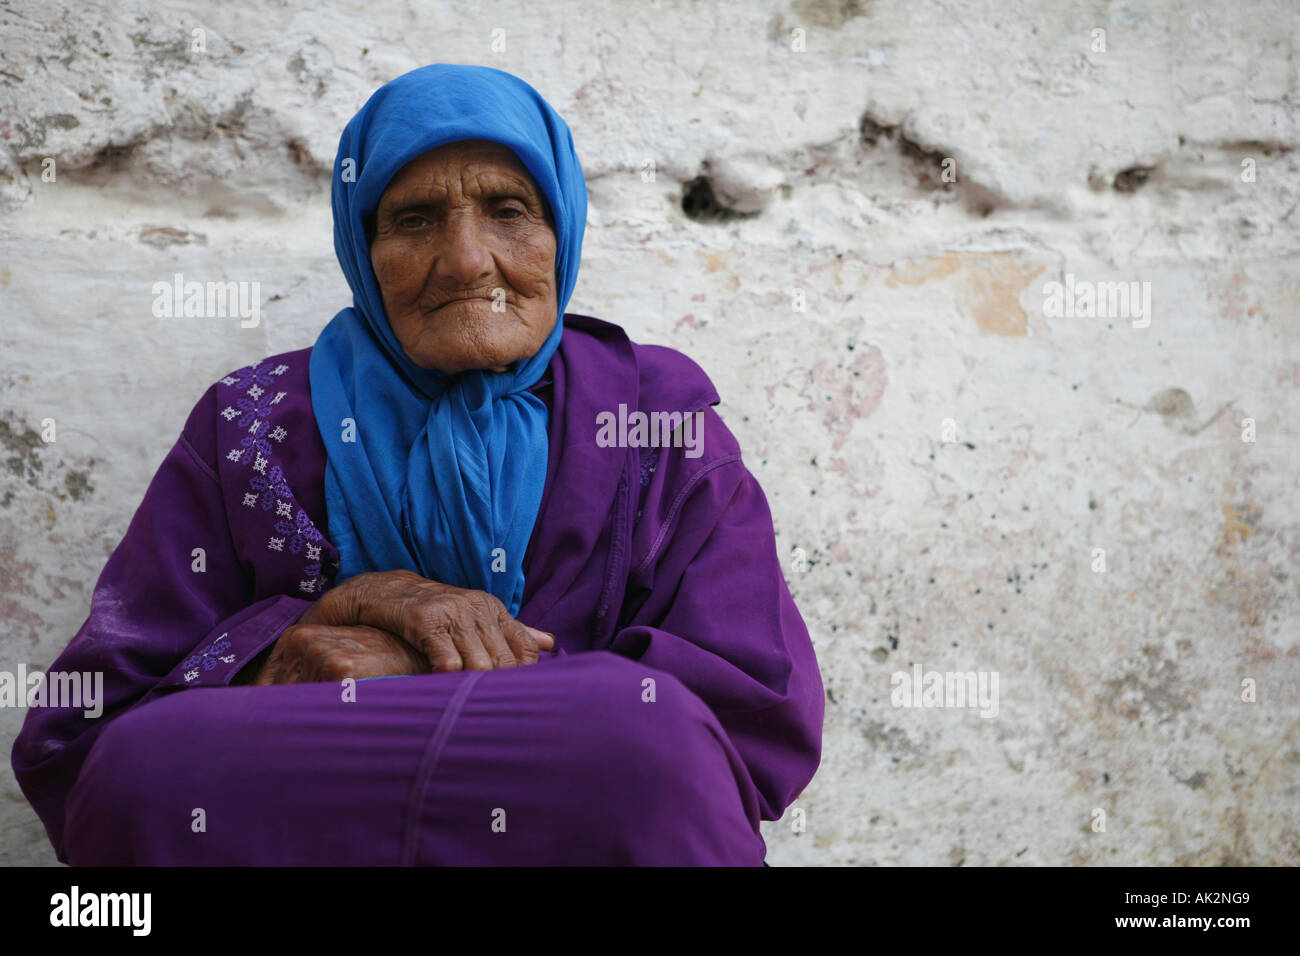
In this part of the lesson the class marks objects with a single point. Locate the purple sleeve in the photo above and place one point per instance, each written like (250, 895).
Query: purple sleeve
(708, 603)
(163, 616)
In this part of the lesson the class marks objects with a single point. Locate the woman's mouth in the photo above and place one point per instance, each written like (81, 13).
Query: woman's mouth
(456, 301)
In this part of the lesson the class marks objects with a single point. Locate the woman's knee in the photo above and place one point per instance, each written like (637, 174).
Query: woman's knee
(116, 799)
(668, 786)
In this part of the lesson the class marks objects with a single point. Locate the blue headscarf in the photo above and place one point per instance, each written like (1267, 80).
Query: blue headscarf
(441, 475)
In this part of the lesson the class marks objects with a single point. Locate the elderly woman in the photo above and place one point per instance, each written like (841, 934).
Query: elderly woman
(400, 599)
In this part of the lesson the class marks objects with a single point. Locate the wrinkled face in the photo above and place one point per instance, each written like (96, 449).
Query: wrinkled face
(463, 248)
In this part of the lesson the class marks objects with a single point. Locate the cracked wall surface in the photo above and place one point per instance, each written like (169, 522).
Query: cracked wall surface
(853, 215)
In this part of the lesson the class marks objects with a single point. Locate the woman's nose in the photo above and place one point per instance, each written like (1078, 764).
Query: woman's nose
(462, 250)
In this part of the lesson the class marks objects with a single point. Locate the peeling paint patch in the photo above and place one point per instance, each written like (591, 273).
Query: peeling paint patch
(20, 445)
(990, 285)
(1149, 686)
(1239, 522)
(25, 457)
(160, 237)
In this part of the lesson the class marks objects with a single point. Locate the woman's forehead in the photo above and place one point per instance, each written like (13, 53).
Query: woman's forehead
(474, 162)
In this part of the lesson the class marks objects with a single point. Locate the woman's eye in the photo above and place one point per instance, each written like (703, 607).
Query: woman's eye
(411, 221)
(514, 209)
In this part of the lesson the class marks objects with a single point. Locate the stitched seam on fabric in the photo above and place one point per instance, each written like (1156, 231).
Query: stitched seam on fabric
(428, 762)
(616, 549)
(198, 459)
(671, 520)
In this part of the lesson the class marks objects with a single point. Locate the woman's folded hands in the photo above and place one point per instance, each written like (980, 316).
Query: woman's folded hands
(387, 623)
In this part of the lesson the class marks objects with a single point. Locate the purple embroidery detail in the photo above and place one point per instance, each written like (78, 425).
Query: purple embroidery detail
(267, 487)
(257, 440)
(299, 532)
(256, 374)
(267, 490)
(254, 409)
(208, 658)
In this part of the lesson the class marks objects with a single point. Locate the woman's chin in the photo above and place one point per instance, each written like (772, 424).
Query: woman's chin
(455, 364)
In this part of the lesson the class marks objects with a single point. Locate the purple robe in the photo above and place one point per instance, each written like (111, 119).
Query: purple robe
(682, 704)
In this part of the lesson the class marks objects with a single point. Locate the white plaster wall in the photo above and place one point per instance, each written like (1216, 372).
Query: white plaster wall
(1120, 691)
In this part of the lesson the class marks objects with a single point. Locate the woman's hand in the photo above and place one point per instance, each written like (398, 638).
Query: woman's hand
(396, 622)
(307, 653)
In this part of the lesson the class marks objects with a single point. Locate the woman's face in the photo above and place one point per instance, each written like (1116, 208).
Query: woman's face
(464, 251)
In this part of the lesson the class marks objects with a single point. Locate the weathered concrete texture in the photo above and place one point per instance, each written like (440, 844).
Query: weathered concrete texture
(1167, 157)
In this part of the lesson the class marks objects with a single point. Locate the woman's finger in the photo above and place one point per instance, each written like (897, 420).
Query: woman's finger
(544, 640)
(497, 645)
(521, 640)
(472, 640)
